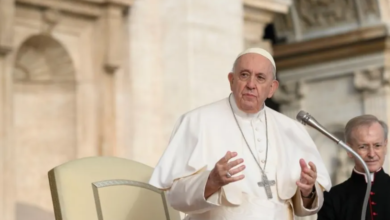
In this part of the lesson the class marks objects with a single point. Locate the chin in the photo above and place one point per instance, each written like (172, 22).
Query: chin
(373, 168)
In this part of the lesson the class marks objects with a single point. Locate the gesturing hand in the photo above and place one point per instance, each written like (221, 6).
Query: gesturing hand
(223, 173)
(308, 177)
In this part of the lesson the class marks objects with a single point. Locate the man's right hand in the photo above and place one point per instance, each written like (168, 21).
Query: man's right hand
(219, 176)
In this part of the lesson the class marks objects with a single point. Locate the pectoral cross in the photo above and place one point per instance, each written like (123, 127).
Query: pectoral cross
(267, 185)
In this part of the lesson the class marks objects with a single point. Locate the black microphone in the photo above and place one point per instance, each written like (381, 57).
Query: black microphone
(306, 119)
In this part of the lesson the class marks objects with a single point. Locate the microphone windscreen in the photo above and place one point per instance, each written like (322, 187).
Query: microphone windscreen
(301, 116)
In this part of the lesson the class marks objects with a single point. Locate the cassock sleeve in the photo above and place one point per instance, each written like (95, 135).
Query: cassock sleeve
(300, 210)
(184, 155)
(182, 170)
(193, 187)
(327, 211)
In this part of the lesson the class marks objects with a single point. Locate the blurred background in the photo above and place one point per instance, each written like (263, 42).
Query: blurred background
(84, 78)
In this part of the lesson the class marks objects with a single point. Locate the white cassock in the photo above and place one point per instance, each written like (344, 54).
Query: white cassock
(204, 135)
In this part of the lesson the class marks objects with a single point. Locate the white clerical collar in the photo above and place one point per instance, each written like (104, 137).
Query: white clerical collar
(242, 114)
(372, 175)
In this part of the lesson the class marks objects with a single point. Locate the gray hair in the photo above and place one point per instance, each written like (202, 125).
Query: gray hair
(235, 63)
(363, 120)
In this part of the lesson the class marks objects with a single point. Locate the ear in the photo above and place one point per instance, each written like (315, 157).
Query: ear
(274, 87)
(385, 146)
(231, 79)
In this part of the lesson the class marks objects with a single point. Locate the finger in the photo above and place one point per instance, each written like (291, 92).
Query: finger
(234, 179)
(303, 186)
(305, 167)
(229, 155)
(313, 167)
(310, 172)
(306, 179)
(234, 163)
(237, 170)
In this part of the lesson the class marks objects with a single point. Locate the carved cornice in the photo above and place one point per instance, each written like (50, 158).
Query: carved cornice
(85, 8)
(111, 12)
(317, 18)
(257, 15)
(354, 43)
(263, 11)
(319, 14)
(280, 6)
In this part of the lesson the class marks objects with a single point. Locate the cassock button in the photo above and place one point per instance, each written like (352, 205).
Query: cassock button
(374, 213)
(373, 203)
(372, 193)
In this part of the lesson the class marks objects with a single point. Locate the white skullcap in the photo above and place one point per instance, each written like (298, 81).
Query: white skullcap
(259, 51)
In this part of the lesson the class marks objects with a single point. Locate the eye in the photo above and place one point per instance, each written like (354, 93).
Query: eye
(260, 77)
(244, 75)
(378, 145)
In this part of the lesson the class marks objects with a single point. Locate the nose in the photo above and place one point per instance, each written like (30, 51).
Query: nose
(371, 152)
(250, 83)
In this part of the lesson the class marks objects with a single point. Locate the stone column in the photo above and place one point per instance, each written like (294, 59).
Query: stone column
(373, 85)
(113, 64)
(6, 22)
(180, 55)
(7, 195)
(145, 80)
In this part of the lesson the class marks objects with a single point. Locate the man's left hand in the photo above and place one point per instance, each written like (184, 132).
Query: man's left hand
(308, 177)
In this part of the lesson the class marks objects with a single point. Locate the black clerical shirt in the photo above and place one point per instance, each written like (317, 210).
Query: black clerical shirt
(345, 201)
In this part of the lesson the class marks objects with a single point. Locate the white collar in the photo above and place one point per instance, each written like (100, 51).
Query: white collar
(364, 174)
(244, 115)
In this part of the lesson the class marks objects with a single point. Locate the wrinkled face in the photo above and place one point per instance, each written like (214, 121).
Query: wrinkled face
(369, 142)
(252, 82)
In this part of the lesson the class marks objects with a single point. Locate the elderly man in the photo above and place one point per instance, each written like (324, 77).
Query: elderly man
(367, 136)
(237, 159)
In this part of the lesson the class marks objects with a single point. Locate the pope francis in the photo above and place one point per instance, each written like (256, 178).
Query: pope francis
(237, 159)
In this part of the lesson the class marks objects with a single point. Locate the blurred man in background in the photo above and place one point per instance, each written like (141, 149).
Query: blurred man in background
(367, 136)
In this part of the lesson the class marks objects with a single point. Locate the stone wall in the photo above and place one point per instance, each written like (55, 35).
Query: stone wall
(57, 94)
(334, 65)
(88, 78)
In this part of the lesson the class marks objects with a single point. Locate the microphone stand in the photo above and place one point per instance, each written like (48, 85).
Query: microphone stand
(305, 118)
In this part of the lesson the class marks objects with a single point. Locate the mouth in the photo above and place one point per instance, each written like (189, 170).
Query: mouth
(371, 162)
(249, 95)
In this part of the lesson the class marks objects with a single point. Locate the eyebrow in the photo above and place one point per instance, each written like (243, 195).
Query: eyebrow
(362, 143)
(244, 70)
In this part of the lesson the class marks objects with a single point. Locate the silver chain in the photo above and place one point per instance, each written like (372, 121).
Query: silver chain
(266, 135)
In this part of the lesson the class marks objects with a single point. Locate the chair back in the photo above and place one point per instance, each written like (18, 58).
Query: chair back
(107, 188)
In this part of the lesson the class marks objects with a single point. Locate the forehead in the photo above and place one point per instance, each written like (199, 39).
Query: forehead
(254, 62)
(371, 132)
